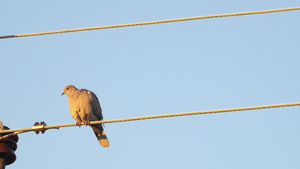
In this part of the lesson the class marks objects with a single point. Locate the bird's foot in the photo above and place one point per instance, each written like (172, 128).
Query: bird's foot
(78, 123)
(87, 122)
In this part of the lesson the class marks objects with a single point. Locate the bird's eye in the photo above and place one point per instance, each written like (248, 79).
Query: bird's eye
(67, 88)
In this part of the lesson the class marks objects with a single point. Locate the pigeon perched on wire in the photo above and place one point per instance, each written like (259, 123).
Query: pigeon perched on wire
(85, 107)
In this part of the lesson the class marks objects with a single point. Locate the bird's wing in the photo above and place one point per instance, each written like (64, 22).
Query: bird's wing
(96, 108)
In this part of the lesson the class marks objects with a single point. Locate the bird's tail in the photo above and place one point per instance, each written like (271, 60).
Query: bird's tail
(100, 134)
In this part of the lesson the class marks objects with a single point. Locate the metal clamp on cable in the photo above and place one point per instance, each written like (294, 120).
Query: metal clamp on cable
(39, 127)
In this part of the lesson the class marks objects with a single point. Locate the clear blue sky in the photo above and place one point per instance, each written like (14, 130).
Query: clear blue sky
(157, 69)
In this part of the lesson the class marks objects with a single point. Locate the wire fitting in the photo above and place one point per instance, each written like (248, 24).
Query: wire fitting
(39, 127)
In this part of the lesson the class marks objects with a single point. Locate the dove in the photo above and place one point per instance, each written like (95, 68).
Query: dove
(84, 107)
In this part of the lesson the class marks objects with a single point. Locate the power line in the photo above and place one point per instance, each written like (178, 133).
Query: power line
(45, 127)
(152, 22)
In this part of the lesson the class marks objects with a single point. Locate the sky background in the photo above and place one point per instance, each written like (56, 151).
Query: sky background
(156, 69)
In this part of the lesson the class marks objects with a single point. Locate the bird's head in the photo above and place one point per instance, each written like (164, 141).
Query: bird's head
(68, 89)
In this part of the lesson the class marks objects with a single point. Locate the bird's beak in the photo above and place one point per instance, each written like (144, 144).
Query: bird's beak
(63, 93)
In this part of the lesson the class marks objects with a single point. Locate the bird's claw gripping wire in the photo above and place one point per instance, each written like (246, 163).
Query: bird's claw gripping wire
(78, 123)
(86, 123)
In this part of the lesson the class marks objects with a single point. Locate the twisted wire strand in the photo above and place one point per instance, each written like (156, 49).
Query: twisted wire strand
(152, 22)
(12, 134)
(152, 117)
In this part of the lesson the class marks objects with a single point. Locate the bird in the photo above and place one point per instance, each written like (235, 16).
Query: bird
(84, 107)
